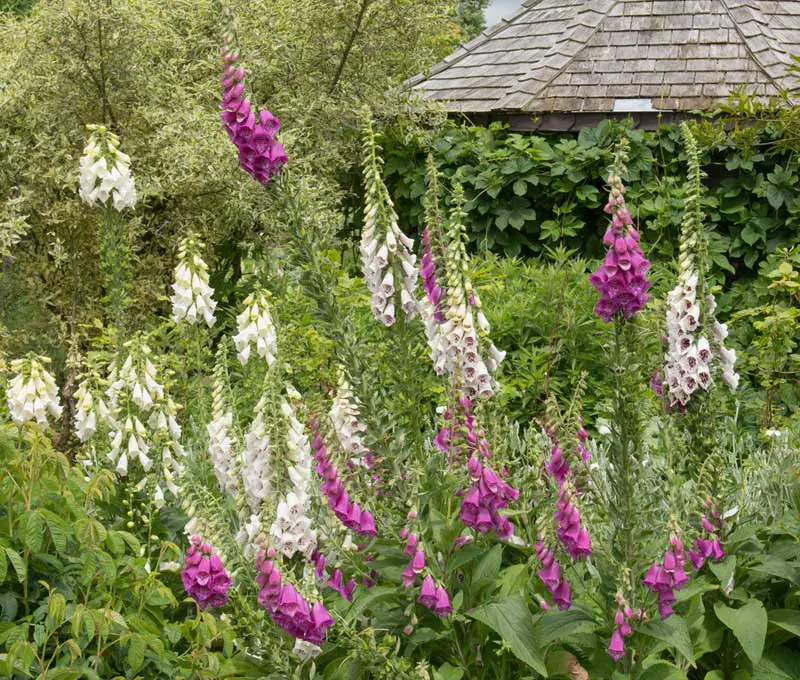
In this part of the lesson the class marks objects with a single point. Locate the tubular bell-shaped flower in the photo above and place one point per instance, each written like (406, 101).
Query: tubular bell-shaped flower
(204, 576)
(690, 306)
(620, 279)
(344, 416)
(255, 327)
(346, 510)
(256, 459)
(253, 133)
(471, 355)
(222, 444)
(387, 258)
(105, 171)
(192, 299)
(32, 393)
(291, 532)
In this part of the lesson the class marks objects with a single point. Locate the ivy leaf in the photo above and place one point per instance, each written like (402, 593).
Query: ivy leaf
(673, 631)
(513, 622)
(748, 624)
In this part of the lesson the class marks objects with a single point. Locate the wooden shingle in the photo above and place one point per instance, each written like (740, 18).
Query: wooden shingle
(578, 56)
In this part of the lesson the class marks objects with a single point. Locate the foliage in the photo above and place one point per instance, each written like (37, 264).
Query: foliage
(528, 192)
(471, 16)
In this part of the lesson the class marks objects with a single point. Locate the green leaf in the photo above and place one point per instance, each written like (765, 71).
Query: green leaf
(520, 187)
(365, 599)
(32, 525)
(489, 566)
(724, 571)
(788, 619)
(58, 529)
(748, 624)
(558, 625)
(136, 647)
(18, 563)
(777, 664)
(780, 568)
(513, 622)
(3, 565)
(448, 672)
(714, 675)
(662, 670)
(673, 631)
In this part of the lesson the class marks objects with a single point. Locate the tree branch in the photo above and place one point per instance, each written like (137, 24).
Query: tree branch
(349, 46)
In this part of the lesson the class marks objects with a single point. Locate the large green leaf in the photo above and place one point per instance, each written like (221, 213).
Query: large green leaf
(513, 622)
(673, 631)
(788, 619)
(748, 624)
(489, 566)
(558, 625)
(662, 670)
(777, 664)
(18, 563)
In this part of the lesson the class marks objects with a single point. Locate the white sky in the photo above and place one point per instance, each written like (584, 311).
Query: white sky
(499, 9)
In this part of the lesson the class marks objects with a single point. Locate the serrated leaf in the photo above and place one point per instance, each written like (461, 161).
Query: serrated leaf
(136, 647)
(513, 622)
(58, 529)
(673, 631)
(489, 566)
(748, 624)
(32, 525)
(3, 565)
(18, 563)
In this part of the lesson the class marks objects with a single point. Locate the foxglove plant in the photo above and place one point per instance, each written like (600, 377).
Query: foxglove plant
(223, 444)
(253, 133)
(689, 361)
(463, 335)
(192, 298)
(344, 416)
(620, 279)
(387, 258)
(256, 328)
(105, 171)
(204, 576)
(32, 393)
(291, 532)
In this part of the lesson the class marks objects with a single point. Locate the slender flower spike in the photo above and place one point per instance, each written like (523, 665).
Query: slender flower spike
(291, 531)
(620, 279)
(256, 460)
(204, 576)
(105, 171)
(32, 393)
(387, 258)
(344, 416)
(222, 449)
(193, 296)
(85, 412)
(253, 133)
(256, 328)
(691, 356)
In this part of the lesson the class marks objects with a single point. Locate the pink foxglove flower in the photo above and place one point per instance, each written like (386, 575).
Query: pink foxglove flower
(668, 576)
(204, 576)
(287, 607)
(551, 577)
(621, 278)
(253, 133)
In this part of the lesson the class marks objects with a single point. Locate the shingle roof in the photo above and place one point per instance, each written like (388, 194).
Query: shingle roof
(583, 55)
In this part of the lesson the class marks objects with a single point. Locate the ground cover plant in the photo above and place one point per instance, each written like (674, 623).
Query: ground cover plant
(408, 461)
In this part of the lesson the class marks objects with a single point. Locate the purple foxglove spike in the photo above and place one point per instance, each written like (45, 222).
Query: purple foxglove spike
(320, 616)
(442, 605)
(409, 577)
(427, 592)
(349, 589)
(619, 617)
(411, 544)
(679, 578)
(562, 596)
(418, 562)
(651, 577)
(669, 561)
(616, 648)
(367, 525)
(550, 576)
(335, 581)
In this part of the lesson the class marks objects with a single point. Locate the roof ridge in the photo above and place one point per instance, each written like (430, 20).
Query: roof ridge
(517, 97)
(773, 45)
(466, 48)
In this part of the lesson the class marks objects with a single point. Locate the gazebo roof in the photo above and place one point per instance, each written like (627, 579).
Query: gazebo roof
(604, 56)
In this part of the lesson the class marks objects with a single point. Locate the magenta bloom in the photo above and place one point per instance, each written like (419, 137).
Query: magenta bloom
(287, 607)
(620, 279)
(430, 281)
(616, 650)
(346, 510)
(427, 592)
(204, 576)
(260, 153)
